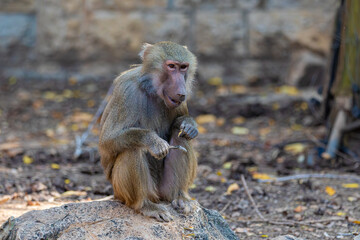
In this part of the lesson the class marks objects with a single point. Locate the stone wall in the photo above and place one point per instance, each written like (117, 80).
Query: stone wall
(237, 40)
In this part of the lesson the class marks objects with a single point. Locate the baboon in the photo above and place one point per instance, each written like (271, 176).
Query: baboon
(145, 116)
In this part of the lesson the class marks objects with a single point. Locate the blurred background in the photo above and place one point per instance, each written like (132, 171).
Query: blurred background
(277, 79)
(237, 40)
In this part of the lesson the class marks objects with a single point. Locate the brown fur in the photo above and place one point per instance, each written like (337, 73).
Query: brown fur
(137, 128)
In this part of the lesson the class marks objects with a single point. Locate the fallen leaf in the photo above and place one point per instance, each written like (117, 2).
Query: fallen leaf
(222, 90)
(77, 94)
(72, 81)
(192, 186)
(27, 159)
(202, 130)
(295, 148)
(238, 120)
(264, 131)
(289, 90)
(262, 176)
(350, 185)
(67, 181)
(264, 236)
(4, 199)
(67, 93)
(223, 180)
(57, 115)
(81, 117)
(296, 127)
(304, 106)
(215, 81)
(241, 230)
(239, 131)
(210, 189)
(271, 122)
(32, 203)
(275, 106)
(207, 118)
(50, 133)
(351, 199)
(37, 104)
(219, 173)
(231, 188)
(356, 222)
(75, 127)
(49, 95)
(238, 89)
(341, 214)
(299, 209)
(8, 146)
(38, 187)
(55, 166)
(220, 122)
(330, 191)
(95, 131)
(326, 155)
(91, 103)
(252, 170)
(227, 165)
(221, 142)
(73, 193)
(12, 80)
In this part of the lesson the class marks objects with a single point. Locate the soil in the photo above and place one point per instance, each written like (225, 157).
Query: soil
(247, 134)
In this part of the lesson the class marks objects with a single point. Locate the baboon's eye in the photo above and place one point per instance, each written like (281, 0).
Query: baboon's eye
(183, 67)
(171, 66)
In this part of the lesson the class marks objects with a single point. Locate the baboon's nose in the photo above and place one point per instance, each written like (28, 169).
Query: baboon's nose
(181, 97)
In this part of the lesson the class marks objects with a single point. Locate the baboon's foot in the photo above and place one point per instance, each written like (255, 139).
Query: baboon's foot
(157, 211)
(183, 205)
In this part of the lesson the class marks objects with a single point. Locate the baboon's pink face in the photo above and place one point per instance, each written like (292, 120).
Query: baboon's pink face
(171, 85)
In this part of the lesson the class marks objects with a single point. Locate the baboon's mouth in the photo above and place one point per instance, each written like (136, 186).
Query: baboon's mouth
(174, 101)
(170, 102)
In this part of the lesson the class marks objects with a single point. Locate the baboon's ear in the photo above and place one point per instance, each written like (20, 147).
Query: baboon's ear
(145, 50)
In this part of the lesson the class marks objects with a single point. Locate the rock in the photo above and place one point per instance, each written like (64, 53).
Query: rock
(247, 72)
(205, 4)
(286, 237)
(304, 4)
(210, 70)
(126, 5)
(170, 26)
(23, 6)
(274, 32)
(16, 30)
(306, 69)
(90, 36)
(112, 220)
(213, 40)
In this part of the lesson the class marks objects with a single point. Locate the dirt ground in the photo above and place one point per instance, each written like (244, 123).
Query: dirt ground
(256, 132)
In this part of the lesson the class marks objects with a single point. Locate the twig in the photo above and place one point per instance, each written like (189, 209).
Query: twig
(332, 219)
(111, 197)
(79, 141)
(225, 207)
(320, 144)
(294, 223)
(313, 175)
(251, 199)
(288, 222)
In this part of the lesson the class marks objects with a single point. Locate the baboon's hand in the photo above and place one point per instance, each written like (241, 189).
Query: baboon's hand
(188, 131)
(158, 147)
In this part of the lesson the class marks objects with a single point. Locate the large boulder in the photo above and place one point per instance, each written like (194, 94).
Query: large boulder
(113, 220)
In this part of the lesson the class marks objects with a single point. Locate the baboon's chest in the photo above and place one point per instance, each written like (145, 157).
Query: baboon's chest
(157, 118)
